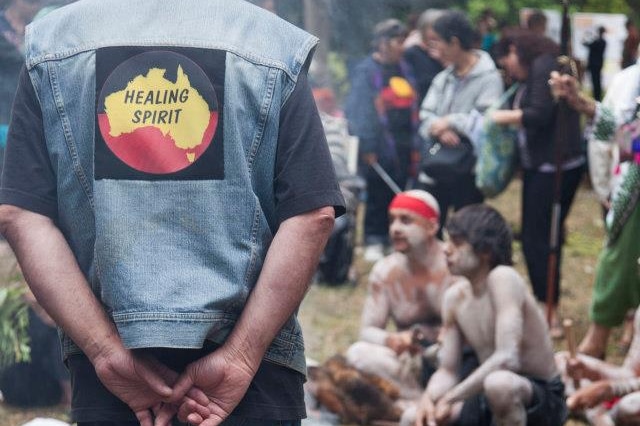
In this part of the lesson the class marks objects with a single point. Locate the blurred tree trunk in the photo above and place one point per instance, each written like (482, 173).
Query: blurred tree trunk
(317, 22)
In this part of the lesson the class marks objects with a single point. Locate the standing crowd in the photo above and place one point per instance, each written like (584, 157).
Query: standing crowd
(423, 135)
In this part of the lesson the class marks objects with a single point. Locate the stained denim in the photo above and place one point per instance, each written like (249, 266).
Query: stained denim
(173, 261)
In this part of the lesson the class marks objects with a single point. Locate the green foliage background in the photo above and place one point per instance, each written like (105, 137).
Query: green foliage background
(508, 9)
(14, 321)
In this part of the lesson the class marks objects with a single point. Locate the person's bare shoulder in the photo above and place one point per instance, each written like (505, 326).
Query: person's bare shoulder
(459, 291)
(507, 286)
(503, 275)
(387, 267)
(459, 288)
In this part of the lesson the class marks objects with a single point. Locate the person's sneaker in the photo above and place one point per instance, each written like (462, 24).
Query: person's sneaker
(374, 252)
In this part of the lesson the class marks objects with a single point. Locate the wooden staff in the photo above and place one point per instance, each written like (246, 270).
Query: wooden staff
(571, 341)
(561, 133)
(567, 324)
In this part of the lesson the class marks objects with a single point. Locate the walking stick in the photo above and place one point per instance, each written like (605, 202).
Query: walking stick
(567, 324)
(559, 144)
(385, 177)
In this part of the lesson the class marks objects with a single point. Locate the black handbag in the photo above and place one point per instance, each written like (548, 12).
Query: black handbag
(447, 163)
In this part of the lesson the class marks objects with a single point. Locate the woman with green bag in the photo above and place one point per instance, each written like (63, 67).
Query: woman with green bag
(529, 59)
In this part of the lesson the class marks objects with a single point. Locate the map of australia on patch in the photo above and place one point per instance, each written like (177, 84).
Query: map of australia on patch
(156, 125)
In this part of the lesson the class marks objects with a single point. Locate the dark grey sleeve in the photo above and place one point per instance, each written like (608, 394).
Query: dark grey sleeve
(304, 176)
(28, 180)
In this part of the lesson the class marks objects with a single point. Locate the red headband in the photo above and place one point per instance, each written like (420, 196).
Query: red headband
(415, 205)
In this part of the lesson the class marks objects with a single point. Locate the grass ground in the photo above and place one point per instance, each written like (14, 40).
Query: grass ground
(330, 315)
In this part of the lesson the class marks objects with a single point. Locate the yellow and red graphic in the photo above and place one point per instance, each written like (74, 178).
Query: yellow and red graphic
(155, 123)
(398, 94)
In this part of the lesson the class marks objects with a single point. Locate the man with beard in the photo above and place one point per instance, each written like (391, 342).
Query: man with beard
(406, 288)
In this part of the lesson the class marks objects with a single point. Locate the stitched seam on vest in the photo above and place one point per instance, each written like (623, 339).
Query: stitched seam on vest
(256, 59)
(68, 134)
(254, 246)
(264, 116)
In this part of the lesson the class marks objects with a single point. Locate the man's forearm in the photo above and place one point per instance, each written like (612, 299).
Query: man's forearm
(287, 271)
(56, 280)
(507, 117)
(583, 104)
(375, 335)
(440, 383)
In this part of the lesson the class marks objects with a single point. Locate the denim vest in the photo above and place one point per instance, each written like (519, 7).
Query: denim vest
(172, 255)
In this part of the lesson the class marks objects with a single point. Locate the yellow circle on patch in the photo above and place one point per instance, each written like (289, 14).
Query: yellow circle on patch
(400, 87)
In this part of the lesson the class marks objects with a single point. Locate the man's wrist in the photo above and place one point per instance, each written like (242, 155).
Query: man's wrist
(448, 398)
(589, 106)
(247, 360)
(101, 349)
(388, 340)
(243, 350)
(585, 105)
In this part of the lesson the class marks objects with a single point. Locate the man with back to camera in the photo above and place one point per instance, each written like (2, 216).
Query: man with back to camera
(517, 382)
(406, 288)
(168, 192)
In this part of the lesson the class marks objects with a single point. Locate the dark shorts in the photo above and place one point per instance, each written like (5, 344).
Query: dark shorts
(469, 364)
(547, 408)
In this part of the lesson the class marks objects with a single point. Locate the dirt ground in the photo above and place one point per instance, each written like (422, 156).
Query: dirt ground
(330, 315)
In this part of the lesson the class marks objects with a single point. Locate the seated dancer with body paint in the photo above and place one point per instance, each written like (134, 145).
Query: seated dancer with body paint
(516, 383)
(405, 288)
(608, 394)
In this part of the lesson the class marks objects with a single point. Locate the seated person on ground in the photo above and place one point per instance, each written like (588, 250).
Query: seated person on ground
(516, 382)
(405, 288)
(601, 383)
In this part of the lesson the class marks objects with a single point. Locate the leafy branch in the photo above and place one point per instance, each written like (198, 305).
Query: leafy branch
(14, 323)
